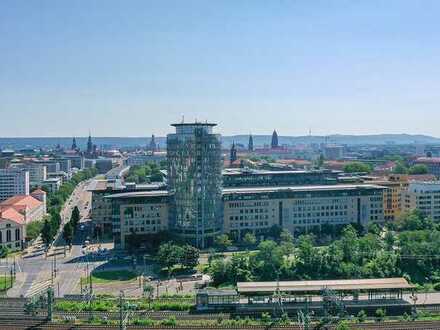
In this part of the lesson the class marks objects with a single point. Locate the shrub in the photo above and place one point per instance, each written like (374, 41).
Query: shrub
(380, 314)
(436, 286)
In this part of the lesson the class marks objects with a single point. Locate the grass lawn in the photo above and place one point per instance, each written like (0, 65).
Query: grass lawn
(5, 283)
(111, 276)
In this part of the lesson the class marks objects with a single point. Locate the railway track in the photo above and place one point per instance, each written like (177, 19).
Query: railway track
(12, 324)
(135, 314)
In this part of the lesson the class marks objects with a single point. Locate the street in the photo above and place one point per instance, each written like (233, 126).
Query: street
(59, 266)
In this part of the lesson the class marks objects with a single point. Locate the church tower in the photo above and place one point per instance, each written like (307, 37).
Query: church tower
(251, 143)
(233, 154)
(274, 143)
(74, 145)
(90, 144)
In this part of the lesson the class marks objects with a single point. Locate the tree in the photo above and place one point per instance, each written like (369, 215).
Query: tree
(400, 168)
(361, 316)
(68, 233)
(75, 217)
(190, 256)
(222, 242)
(418, 169)
(46, 232)
(249, 239)
(275, 232)
(356, 167)
(268, 259)
(169, 255)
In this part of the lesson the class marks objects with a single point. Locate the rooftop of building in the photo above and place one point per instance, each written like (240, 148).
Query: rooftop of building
(194, 124)
(9, 213)
(300, 188)
(428, 159)
(20, 202)
(134, 194)
(335, 285)
(238, 171)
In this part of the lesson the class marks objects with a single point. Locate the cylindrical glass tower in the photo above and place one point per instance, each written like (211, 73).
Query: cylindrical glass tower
(195, 182)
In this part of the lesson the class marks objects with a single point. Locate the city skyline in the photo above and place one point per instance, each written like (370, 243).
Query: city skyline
(129, 69)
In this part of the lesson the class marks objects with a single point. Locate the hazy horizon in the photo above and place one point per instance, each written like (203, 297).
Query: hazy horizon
(129, 69)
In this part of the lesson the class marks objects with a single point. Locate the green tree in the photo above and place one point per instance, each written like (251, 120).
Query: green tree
(356, 167)
(418, 169)
(75, 217)
(190, 256)
(249, 239)
(68, 233)
(275, 232)
(46, 233)
(268, 260)
(361, 316)
(400, 168)
(169, 255)
(222, 242)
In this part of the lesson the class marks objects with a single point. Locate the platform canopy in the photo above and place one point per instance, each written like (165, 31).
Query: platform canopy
(313, 286)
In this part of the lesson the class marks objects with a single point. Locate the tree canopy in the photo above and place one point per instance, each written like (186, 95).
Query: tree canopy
(356, 167)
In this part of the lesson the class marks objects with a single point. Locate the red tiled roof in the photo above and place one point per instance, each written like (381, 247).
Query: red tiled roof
(21, 201)
(11, 214)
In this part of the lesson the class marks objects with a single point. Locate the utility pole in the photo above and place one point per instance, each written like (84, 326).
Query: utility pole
(49, 304)
(121, 311)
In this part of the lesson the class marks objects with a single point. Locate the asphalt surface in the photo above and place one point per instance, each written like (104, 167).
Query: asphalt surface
(35, 267)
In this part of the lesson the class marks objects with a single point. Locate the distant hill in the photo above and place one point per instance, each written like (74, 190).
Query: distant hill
(259, 140)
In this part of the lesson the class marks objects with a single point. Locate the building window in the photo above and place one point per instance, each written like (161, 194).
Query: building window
(17, 234)
(8, 235)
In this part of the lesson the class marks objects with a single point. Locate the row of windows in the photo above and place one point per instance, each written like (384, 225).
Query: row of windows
(250, 224)
(143, 222)
(256, 217)
(316, 208)
(322, 214)
(243, 204)
(9, 235)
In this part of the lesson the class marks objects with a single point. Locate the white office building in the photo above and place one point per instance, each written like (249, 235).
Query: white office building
(425, 197)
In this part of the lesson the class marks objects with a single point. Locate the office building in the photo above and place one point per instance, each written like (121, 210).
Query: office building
(76, 161)
(13, 181)
(195, 182)
(139, 213)
(53, 184)
(425, 197)
(144, 158)
(333, 152)
(37, 172)
(300, 209)
(258, 178)
(65, 164)
(103, 165)
(432, 163)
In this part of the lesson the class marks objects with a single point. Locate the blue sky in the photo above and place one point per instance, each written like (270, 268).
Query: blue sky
(130, 68)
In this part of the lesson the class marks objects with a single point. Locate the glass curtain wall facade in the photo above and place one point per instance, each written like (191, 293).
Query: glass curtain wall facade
(195, 183)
